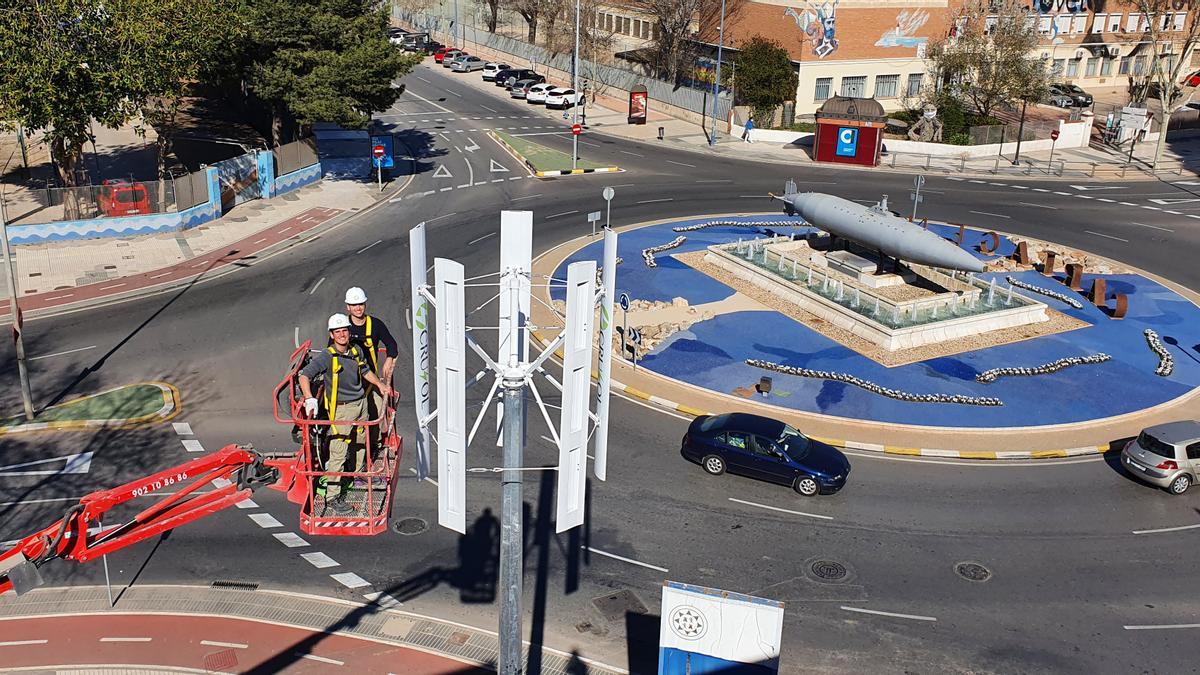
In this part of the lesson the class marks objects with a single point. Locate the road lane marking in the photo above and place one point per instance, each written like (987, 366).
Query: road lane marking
(428, 101)
(624, 559)
(1106, 236)
(322, 659)
(626, 152)
(776, 508)
(125, 639)
(451, 91)
(1127, 204)
(719, 180)
(265, 520)
(290, 539)
(653, 201)
(479, 239)
(994, 215)
(192, 445)
(320, 560)
(296, 337)
(368, 246)
(229, 645)
(247, 504)
(1165, 626)
(761, 196)
(63, 353)
(915, 617)
(1167, 529)
(447, 215)
(690, 166)
(564, 213)
(517, 199)
(316, 286)
(446, 189)
(350, 580)
(414, 471)
(383, 600)
(22, 643)
(426, 82)
(182, 428)
(487, 108)
(1153, 227)
(1038, 206)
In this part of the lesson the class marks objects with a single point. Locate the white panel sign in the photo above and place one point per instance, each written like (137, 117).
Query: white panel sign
(609, 273)
(451, 394)
(516, 264)
(721, 624)
(576, 394)
(420, 338)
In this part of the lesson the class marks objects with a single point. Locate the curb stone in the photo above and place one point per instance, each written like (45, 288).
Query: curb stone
(169, 409)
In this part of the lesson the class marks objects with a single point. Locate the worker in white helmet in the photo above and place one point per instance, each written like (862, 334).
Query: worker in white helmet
(345, 369)
(371, 335)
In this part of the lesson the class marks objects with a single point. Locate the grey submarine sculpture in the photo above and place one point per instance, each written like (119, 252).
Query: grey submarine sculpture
(876, 228)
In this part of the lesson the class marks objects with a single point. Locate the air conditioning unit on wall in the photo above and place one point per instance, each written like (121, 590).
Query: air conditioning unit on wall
(1114, 51)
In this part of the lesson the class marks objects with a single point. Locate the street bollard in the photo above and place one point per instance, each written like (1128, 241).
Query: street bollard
(660, 133)
(1093, 173)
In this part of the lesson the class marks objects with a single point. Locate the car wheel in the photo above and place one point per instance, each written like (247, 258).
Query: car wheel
(807, 486)
(1180, 485)
(713, 464)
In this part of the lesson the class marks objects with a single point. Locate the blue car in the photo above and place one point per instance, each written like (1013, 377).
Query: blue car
(766, 449)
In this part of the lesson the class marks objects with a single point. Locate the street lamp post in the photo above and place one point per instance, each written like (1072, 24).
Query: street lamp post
(712, 139)
(575, 88)
(1020, 132)
(15, 314)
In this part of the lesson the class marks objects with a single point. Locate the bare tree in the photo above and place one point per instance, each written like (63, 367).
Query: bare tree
(532, 11)
(1171, 31)
(674, 47)
(491, 15)
(985, 58)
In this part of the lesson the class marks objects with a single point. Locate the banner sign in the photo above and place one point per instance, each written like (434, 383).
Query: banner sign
(710, 630)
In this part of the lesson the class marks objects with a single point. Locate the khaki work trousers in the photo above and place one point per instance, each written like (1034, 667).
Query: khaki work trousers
(341, 438)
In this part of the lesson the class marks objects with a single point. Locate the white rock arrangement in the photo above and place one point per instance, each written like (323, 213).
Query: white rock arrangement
(1044, 369)
(738, 223)
(1166, 363)
(875, 388)
(1038, 289)
(648, 253)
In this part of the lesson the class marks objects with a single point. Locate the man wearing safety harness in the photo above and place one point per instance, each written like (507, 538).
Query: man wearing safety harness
(345, 368)
(369, 333)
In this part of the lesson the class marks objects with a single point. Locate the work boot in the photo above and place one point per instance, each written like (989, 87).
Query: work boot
(339, 506)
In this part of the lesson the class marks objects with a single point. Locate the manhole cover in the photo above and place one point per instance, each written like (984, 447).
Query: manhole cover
(410, 526)
(973, 571)
(615, 606)
(829, 570)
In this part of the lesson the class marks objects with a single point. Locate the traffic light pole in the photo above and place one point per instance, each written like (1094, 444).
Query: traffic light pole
(575, 88)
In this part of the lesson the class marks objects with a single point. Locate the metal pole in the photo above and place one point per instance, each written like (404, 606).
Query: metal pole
(712, 139)
(1132, 142)
(1053, 142)
(917, 196)
(14, 313)
(575, 88)
(104, 558)
(511, 541)
(380, 173)
(1020, 132)
(608, 214)
(454, 38)
(624, 329)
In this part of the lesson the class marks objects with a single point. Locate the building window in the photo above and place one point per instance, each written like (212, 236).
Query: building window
(1106, 67)
(821, 92)
(1044, 25)
(887, 86)
(1079, 23)
(1124, 69)
(1056, 70)
(626, 27)
(989, 24)
(914, 84)
(1073, 68)
(1114, 23)
(1063, 22)
(608, 19)
(1131, 23)
(1099, 22)
(1180, 18)
(1139, 65)
(1093, 64)
(1164, 20)
(854, 86)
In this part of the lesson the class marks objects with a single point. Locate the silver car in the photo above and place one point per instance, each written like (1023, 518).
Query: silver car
(521, 88)
(468, 64)
(1165, 455)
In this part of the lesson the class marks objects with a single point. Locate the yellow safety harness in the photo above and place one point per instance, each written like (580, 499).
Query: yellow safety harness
(369, 345)
(335, 367)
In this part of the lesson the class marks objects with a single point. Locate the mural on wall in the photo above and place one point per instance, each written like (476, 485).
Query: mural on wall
(819, 23)
(1052, 9)
(904, 34)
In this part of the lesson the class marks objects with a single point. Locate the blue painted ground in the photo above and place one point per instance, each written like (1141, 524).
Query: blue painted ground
(712, 354)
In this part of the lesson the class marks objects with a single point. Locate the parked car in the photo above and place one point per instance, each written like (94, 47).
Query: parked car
(1192, 80)
(521, 88)
(123, 198)
(396, 36)
(433, 46)
(1079, 97)
(453, 55)
(439, 56)
(507, 78)
(467, 64)
(490, 70)
(415, 42)
(1058, 100)
(1165, 455)
(766, 449)
(563, 98)
(537, 93)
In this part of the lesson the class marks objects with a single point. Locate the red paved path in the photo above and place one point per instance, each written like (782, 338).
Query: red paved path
(236, 646)
(187, 269)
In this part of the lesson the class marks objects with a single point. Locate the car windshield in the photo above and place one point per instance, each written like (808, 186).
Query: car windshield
(795, 443)
(1074, 89)
(1156, 446)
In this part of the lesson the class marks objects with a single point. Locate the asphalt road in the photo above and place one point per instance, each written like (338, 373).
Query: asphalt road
(1068, 569)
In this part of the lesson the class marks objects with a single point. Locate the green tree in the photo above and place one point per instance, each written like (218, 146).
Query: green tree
(765, 77)
(321, 61)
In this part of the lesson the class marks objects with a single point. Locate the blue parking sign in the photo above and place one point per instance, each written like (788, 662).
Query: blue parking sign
(387, 161)
(847, 141)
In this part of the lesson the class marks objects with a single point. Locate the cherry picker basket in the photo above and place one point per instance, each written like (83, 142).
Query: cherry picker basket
(369, 492)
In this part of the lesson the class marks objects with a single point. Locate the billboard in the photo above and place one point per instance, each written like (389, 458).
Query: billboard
(711, 630)
(638, 105)
(847, 141)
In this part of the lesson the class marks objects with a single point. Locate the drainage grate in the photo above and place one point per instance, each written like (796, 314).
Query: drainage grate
(829, 570)
(973, 571)
(235, 585)
(410, 526)
(615, 606)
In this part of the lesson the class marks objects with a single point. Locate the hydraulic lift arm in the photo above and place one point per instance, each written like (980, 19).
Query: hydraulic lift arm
(233, 473)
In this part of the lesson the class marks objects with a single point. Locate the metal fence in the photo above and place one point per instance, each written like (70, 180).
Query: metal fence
(27, 206)
(295, 156)
(599, 76)
(191, 189)
(999, 133)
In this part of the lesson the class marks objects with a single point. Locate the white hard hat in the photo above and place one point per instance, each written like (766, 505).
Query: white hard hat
(355, 296)
(337, 321)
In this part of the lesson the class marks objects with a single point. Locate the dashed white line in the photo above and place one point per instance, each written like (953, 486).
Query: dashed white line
(955, 179)
(464, 185)
(227, 645)
(192, 445)
(425, 81)
(182, 428)
(1019, 187)
(446, 189)
(516, 178)
(367, 247)
(719, 180)
(690, 166)
(1176, 213)
(1106, 236)
(1065, 194)
(350, 580)
(517, 199)
(319, 560)
(316, 286)
(1085, 196)
(652, 201)
(915, 617)
(265, 520)
(125, 639)
(105, 288)
(259, 241)
(1039, 206)
(482, 182)
(322, 659)
(564, 213)
(979, 182)
(296, 337)
(497, 180)
(290, 539)
(1153, 227)
(63, 353)
(22, 643)
(1167, 529)
(1151, 208)
(1040, 190)
(1165, 626)
(1127, 204)
(444, 215)
(479, 239)
(247, 504)
(626, 152)
(1105, 199)
(624, 559)
(776, 508)
(488, 109)
(67, 295)
(994, 215)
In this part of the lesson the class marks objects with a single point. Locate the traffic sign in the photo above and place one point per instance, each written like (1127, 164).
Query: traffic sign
(378, 151)
(576, 129)
(1054, 135)
(914, 197)
(623, 300)
(593, 216)
(919, 182)
(608, 193)
(635, 336)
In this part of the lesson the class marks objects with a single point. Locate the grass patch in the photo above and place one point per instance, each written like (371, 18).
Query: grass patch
(543, 158)
(123, 403)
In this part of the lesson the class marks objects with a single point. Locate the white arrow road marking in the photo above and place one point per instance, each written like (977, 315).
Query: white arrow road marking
(1098, 187)
(77, 463)
(1167, 202)
(473, 145)
(497, 167)
(442, 172)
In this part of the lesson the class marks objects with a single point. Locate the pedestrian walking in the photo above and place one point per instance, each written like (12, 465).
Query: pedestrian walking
(371, 335)
(345, 369)
(749, 127)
